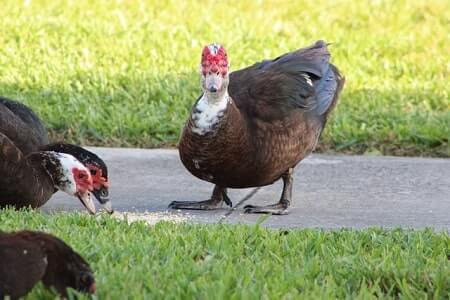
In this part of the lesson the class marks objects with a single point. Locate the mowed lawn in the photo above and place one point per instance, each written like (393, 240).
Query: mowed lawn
(125, 73)
(181, 261)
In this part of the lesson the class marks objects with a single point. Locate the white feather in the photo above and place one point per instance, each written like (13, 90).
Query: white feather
(208, 113)
(68, 163)
(214, 48)
(307, 78)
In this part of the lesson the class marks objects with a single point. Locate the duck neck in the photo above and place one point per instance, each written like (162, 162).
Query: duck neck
(219, 98)
(45, 164)
(209, 111)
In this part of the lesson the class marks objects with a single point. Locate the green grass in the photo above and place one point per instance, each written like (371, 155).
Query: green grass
(124, 73)
(241, 262)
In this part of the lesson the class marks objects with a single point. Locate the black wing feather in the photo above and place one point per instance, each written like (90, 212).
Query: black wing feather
(303, 79)
(22, 125)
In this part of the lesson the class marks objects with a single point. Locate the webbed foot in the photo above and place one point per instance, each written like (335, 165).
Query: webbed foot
(219, 196)
(280, 208)
(274, 209)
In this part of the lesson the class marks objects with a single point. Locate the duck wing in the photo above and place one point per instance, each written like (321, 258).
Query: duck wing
(22, 125)
(20, 182)
(300, 80)
(11, 157)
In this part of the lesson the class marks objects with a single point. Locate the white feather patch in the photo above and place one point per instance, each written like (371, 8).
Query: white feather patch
(208, 113)
(68, 162)
(214, 48)
(307, 78)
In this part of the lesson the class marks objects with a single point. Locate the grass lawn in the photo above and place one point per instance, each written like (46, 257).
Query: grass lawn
(242, 262)
(124, 73)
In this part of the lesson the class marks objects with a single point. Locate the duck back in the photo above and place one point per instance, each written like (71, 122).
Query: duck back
(23, 180)
(22, 126)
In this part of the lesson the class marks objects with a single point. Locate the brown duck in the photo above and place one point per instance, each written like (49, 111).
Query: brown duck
(27, 257)
(26, 130)
(30, 180)
(253, 126)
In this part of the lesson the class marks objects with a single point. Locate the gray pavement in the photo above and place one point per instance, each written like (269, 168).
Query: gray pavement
(329, 191)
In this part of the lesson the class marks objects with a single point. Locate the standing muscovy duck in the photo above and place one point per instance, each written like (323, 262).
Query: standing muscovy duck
(30, 180)
(24, 128)
(27, 257)
(253, 126)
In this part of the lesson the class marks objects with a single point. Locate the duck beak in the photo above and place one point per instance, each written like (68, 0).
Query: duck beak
(213, 83)
(108, 206)
(102, 195)
(86, 200)
(93, 288)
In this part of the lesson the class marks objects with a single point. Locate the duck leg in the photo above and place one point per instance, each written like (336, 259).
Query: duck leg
(218, 196)
(281, 207)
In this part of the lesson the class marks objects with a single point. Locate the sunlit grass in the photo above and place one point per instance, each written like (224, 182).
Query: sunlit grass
(247, 262)
(124, 73)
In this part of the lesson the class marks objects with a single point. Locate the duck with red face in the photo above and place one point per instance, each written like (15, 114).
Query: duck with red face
(101, 185)
(96, 166)
(30, 180)
(253, 126)
(71, 176)
(214, 69)
(28, 134)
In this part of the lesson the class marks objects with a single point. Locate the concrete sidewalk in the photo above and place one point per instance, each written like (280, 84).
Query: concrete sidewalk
(329, 191)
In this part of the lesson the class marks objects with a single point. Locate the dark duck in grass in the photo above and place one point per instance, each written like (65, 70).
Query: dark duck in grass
(253, 126)
(24, 128)
(27, 257)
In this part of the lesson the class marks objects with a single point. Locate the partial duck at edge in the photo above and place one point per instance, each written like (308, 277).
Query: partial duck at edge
(27, 257)
(30, 180)
(27, 132)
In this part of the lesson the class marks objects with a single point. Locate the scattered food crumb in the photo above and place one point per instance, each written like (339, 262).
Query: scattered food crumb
(151, 218)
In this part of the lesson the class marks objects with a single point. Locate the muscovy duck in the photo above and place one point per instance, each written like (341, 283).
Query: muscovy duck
(27, 257)
(95, 165)
(26, 130)
(253, 126)
(30, 180)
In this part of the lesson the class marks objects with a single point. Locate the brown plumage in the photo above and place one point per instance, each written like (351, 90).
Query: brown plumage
(21, 125)
(24, 182)
(273, 117)
(30, 180)
(27, 257)
(24, 133)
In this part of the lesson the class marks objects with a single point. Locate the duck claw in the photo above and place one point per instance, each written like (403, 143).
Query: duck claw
(274, 209)
(210, 204)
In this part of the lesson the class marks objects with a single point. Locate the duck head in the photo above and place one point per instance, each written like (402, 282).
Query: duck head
(95, 165)
(214, 71)
(71, 176)
(79, 273)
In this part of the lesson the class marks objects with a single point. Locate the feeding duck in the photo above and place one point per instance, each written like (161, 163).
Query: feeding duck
(30, 180)
(253, 126)
(27, 257)
(25, 129)
(96, 166)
